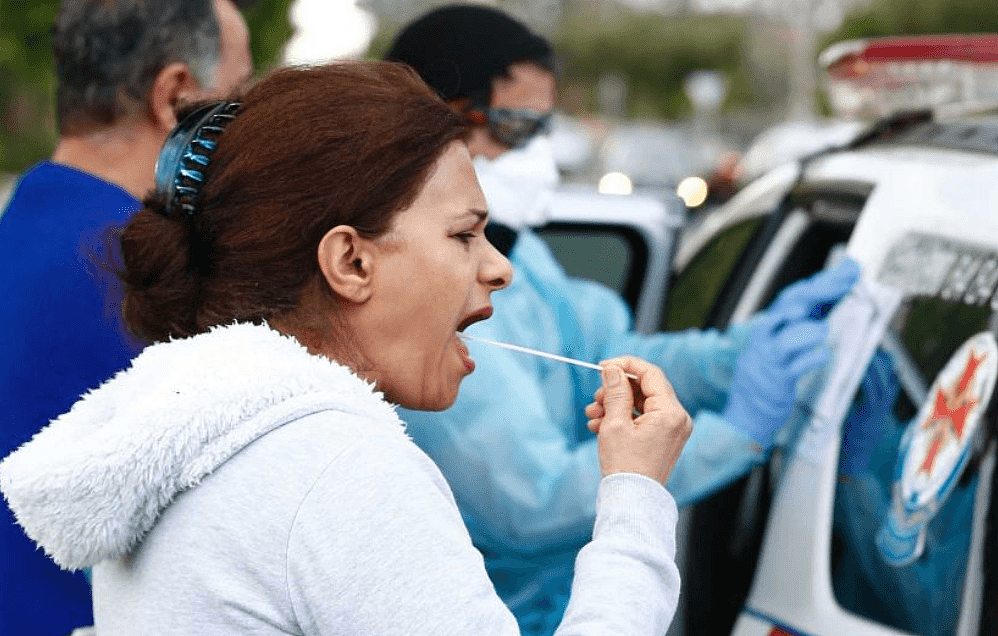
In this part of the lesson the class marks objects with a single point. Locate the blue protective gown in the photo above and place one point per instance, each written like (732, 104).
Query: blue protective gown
(515, 447)
(925, 596)
(60, 337)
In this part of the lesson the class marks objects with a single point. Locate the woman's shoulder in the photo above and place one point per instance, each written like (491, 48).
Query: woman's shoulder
(320, 438)
(376, 450)
(326, 463)
(350, 468)
(337, 447)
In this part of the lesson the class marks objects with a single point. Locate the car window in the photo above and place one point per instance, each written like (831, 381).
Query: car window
(931, 330)
(923, 597)
(695, 290)
(614, 255)
(809, 254)
(603, 257)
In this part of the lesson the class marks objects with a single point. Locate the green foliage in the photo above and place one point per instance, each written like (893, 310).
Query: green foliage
(382, 40)
(27, 71)
(917, 17)
(269, 29)
(655, 54)
(27, 129)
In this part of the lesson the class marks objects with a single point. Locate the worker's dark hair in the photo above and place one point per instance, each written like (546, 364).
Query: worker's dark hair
(460, 49)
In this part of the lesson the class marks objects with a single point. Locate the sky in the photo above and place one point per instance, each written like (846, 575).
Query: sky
(328, 29)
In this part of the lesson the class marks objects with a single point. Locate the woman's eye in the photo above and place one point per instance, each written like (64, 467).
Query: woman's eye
(465, 237)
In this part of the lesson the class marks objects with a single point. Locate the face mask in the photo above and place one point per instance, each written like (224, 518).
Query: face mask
(519, 184)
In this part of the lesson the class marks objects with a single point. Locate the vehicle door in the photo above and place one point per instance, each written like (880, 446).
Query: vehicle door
(752, 254)
(713, 289)
(823, 568)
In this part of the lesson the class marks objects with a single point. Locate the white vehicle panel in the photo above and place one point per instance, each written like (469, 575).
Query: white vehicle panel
(749, 625)
(973, 595)
(937, 192)
(926, 192)
(793, 582)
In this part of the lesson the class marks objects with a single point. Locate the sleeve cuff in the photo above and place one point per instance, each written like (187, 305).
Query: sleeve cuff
(637, 507)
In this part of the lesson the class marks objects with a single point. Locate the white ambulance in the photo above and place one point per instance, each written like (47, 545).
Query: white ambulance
(817, 543)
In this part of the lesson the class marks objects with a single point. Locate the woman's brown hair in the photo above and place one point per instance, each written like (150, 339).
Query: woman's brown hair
(309, 149)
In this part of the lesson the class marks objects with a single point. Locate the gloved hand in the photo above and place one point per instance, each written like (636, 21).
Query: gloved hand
(786, 342)
(865, 425)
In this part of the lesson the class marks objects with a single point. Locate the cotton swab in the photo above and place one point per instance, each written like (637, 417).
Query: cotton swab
(543, 354)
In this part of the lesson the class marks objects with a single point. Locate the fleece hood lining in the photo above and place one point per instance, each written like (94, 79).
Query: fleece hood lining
(92, 483)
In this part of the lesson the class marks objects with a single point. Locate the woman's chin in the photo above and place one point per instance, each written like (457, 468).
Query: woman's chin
(437, 390)
(432, 407)
(440, 402)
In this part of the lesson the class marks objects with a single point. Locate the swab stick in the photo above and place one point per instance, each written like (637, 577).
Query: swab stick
(543, 354)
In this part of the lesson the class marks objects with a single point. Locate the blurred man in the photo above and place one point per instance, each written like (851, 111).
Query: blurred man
(515, 446)
(121, 65)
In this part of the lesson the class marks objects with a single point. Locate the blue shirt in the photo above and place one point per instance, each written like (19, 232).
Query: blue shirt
(61, 336)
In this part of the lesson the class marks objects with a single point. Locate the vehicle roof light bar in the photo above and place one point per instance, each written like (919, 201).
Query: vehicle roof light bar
(868, 79)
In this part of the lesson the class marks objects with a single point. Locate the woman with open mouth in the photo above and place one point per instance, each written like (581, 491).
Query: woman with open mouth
(310, 255)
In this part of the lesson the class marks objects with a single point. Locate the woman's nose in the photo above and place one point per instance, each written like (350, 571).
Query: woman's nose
(496, 271)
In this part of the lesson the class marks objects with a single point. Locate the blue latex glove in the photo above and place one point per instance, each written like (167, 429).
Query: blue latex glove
(865, 425)
(786, 342)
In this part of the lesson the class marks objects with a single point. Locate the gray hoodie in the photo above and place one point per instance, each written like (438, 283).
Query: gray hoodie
(232, 483)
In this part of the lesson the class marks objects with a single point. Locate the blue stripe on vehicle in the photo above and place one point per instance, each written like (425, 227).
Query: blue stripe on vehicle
(776, 623)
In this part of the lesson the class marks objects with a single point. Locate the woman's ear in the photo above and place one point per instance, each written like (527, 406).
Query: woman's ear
(346, 261)
(173, 85)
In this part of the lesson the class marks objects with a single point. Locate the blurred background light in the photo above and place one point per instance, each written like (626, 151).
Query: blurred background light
(326, 30)
(615, 183)
(693, 191)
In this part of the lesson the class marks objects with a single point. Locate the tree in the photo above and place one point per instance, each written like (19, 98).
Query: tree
(917, 17)
(27, 124)
(269, 29)
(655, 54)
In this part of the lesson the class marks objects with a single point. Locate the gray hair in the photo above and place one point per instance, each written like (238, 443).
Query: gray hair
(109, 52)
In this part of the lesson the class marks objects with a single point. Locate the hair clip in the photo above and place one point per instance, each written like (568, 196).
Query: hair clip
(186, 153)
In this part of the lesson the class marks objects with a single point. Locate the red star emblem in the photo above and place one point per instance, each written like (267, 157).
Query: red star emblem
(952, 406)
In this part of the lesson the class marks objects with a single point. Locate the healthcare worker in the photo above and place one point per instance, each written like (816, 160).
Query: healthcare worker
(517, 454)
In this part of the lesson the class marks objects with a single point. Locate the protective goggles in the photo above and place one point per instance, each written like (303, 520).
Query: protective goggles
(512, 126)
